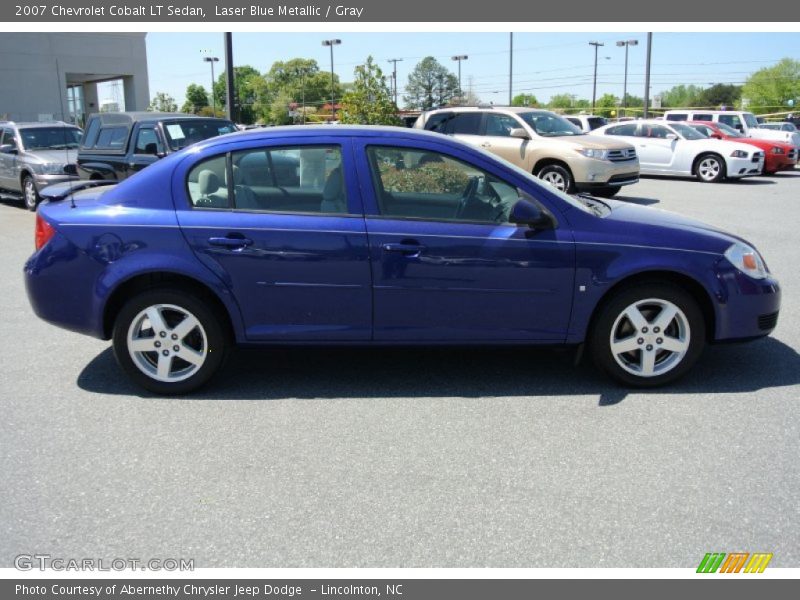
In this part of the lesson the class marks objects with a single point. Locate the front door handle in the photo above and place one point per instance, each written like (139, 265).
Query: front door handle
(230, 242)
(405, 249)
(486, 145)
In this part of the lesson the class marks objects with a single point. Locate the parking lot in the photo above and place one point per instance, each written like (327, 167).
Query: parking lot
(411, 458)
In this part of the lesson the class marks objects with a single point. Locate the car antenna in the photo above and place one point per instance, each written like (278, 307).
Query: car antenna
(64, 130)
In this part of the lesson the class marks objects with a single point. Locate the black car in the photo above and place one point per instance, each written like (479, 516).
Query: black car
(116, 145)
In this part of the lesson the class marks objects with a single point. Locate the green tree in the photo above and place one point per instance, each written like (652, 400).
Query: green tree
(369, 102)
(302, 79)
(606, 105)
(163, 102)
(770, 89)
(561, 101)
(721, 94)
(246, 82)
(524, 100)
(196, 98)
(681, 96)
(430, 85)
(279, 109)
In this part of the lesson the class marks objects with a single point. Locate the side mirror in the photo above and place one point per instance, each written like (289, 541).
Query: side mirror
(671, 136)
(8, 149)
(527, 213)
(519, 132)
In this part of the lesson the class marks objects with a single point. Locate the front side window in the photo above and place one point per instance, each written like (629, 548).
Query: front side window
(147, 142)
(687, 132)
(304, 179)
(7, 136)
(732, 120)
(421, 184)
(548, 124)
(704, 129)
(500, 125)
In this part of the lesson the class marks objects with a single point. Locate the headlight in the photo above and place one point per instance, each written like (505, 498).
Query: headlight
(739, 154)
(777, 150)
(593, 153)
(49, 169)
(747, 260)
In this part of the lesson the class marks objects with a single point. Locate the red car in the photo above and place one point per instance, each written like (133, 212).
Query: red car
(777, 155)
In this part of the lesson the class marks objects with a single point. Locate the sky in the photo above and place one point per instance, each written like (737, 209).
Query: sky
(545, 64)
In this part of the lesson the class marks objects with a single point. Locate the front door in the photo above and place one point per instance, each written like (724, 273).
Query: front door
(446, 263)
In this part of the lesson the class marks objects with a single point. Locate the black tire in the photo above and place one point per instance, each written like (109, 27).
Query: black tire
(608, 191)
(30, 195)
(611, 323)
(210, 341)
(558, 176)
(710, 168)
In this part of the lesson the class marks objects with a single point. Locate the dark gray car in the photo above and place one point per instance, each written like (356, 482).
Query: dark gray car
(35, 155)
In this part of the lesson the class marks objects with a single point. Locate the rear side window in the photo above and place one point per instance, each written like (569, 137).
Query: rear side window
(112, 137)
(304, 179)
(626, 129)
(678, 117)
(90, 137)
(702, 117)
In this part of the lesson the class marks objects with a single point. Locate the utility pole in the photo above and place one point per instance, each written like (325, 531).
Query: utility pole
(510, 67)
(229, 81)
(647, 75)
(594, 85)
(394, 62)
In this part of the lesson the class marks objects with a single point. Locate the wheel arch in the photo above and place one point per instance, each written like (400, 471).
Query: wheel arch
(681, 280)
(549, 160)
(702, 155)
(162, 279)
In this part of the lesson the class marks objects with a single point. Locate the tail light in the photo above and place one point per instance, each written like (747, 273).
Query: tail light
(44, 232)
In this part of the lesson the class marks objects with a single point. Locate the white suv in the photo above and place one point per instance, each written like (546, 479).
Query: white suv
(745, 122)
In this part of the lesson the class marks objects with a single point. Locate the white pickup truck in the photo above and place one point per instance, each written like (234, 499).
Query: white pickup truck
(743, 121)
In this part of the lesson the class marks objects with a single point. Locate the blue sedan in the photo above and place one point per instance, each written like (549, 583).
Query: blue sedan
(380, 236)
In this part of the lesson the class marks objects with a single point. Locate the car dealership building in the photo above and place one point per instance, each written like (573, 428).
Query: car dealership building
(50, 76)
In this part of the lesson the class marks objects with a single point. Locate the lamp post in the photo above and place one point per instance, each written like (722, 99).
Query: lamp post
(212, 60)
(331, 44)
(626, 43)
(459, 58)
(594, 84)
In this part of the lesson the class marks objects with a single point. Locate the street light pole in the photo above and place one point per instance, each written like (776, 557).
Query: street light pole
(394, 62)
(510, 67)
(331, 44)
(626, 43)
(594, 84)
(212, 60)
(647, 77)
(459, 58)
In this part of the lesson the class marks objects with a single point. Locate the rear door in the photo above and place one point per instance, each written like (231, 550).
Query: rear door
(283, 226)
(8, 160)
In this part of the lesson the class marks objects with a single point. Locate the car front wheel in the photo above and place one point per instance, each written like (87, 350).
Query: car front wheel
(30, 193)
(557, 176)
(168, 341)
(648, 335)
(710, 168)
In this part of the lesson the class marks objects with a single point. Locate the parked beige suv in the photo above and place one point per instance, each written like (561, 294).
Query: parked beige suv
(542, 143)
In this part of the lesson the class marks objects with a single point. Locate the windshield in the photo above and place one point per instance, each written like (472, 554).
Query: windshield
(688, 132)
(549, 125)
(750, 119)
(50, 138)
(184, 133)
(729, 131)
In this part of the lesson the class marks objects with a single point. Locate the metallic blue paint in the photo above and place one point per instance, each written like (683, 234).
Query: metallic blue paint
(365, 278)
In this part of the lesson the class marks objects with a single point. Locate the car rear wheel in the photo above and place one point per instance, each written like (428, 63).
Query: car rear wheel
(29, 193)
(557, 176)
(168, 341)
(648, 335)
(710, 168)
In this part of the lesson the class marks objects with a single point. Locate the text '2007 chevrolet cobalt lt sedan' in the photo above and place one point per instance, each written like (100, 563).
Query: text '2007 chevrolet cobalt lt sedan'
(371, 235)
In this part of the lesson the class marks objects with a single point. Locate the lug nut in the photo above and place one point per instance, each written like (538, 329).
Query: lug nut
(176, 348)
(640, 341)
(644, 329)
(165, 352)
(649, 347)
(174, 336)
(659, 340)
(162, 334)
(656, 329)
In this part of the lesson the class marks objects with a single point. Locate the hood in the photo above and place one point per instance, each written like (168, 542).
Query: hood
(787, 137)
(58, 157)
(591, 141)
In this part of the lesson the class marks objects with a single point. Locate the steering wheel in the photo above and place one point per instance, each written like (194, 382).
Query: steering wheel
(470, 192)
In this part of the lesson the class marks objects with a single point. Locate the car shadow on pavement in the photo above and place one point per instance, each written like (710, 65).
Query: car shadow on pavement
(756, 180)
(637, 200)
(333, 373)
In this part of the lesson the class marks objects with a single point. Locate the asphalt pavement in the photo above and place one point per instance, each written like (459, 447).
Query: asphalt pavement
(410, 458)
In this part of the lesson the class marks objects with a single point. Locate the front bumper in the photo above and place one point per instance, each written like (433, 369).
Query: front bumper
(592, 173)
(747, 308)
(42, 181)
(744, 167)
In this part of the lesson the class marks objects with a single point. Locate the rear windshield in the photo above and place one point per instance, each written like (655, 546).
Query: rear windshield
(50, 138)
(185, 133)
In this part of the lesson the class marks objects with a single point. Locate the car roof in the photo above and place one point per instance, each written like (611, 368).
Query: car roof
(139, 116)
(301, 131)
(32, 124)
(492, 107)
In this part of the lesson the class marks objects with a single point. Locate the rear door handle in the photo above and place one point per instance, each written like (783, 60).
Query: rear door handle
(404, 248)
(230, 242)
